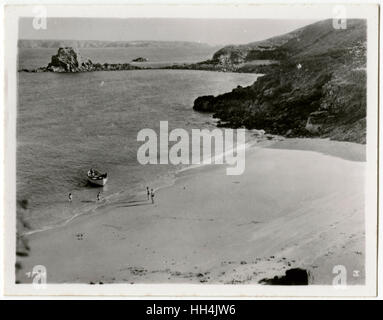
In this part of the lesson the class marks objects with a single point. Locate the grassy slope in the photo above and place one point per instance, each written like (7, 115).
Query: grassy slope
(320, 75)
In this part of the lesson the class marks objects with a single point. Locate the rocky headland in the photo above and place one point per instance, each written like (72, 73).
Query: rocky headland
(314, 84)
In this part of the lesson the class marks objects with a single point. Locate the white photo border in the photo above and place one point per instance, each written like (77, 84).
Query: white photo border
(370, 12)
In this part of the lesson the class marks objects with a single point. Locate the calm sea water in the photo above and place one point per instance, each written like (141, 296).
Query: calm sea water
(68, 123)
(38, 57)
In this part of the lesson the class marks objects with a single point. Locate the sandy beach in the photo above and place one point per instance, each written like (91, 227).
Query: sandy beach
(299, 204)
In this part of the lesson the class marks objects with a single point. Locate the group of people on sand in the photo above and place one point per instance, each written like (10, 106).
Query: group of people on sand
(149, 192)
(70, 196)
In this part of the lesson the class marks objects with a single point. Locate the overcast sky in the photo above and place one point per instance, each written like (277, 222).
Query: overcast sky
(211, 31)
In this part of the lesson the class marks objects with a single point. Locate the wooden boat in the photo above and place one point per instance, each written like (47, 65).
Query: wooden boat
(96, 178)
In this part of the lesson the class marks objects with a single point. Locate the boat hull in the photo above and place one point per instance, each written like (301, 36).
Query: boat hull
(98, 182)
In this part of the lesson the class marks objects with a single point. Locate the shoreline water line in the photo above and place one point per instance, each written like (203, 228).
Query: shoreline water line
(161, 183)
(168, 181)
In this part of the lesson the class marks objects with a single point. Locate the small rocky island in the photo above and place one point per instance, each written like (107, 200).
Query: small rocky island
(70, 60)
(140, 59)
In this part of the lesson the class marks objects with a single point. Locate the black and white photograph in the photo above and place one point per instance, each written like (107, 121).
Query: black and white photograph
(191, 150)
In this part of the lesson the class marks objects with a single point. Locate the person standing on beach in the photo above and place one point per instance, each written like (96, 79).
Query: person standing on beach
(152, 195)
(70, 197)
(148, 192)
(99, 196)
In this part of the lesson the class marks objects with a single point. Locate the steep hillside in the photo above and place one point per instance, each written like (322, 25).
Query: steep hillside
(317, 85)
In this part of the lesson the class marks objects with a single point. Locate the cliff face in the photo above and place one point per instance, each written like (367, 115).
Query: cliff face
(317, 87)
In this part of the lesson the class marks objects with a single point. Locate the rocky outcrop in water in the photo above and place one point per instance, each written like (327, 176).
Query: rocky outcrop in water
(203, 104)
(69, 60)
(140, 59)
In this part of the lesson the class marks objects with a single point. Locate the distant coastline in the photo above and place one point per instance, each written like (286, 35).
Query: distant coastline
(314, 83)
(70, 60)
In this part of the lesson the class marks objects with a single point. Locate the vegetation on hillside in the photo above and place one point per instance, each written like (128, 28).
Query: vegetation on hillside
(316, 87)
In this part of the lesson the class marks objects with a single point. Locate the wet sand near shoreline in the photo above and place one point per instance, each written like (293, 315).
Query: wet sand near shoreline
(299, 204)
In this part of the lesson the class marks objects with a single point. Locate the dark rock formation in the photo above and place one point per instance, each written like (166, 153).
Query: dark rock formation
(22, 245)
(316, 120)
(68, 59)
(140, 59)
(318, 87)
(293, 277)
(203, 103)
